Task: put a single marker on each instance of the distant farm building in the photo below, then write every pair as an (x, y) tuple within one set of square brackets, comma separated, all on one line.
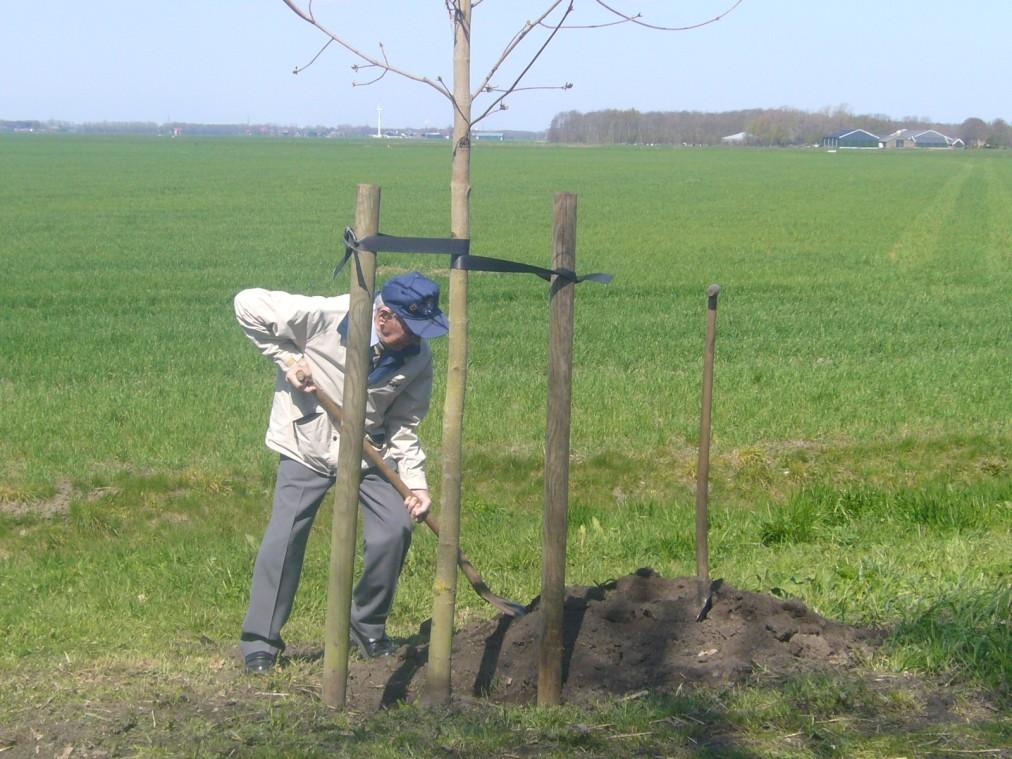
[(916, 138), (740, 138), (495, 136), (851, 138)]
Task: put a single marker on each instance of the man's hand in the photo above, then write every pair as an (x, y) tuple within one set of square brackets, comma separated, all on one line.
[(300, 376), (418, 504)]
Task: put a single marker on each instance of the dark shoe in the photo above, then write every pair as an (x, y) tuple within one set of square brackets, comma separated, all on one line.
[(372, 648), (259, 662)]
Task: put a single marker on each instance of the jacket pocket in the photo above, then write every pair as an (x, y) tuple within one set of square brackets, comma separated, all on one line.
[(315, 439)]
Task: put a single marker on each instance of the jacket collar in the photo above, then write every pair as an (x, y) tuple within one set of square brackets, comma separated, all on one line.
[(389, 362)]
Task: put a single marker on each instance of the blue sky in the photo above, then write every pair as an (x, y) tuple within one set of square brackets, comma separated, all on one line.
[(228, 61)]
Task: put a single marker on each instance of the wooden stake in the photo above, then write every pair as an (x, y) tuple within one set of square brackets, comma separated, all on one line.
[(444, 595), (349, 458), (560, 372), (703, 467)]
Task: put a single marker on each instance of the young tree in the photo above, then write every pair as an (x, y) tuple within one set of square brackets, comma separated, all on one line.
[(462, 97)]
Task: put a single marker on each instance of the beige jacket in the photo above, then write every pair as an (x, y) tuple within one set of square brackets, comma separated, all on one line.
[(288, 327)]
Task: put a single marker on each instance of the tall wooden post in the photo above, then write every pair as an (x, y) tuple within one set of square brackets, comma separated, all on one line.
[(445, 585), (556, 524), (349, 458)]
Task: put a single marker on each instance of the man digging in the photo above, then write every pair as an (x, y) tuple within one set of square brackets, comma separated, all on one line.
[(306, 337)]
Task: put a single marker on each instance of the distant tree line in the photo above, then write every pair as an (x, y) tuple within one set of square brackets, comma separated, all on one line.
[(185, 128), (188, 129), (764, 126)]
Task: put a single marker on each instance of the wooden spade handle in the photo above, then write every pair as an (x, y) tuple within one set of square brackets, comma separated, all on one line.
[(375, 458)]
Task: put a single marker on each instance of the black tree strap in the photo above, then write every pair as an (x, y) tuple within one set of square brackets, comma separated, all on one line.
[(459, 250), (483, 263), (394, 244)]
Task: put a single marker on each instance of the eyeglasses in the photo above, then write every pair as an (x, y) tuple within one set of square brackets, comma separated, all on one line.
[(387, 311)]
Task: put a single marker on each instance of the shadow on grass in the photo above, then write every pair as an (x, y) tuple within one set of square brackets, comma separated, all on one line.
[(490, 658), (395, 691)]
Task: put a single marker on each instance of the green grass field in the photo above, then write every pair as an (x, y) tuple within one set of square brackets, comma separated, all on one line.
[(861, 428)]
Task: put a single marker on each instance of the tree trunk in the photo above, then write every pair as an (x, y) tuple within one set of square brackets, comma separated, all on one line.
[(445, 587)]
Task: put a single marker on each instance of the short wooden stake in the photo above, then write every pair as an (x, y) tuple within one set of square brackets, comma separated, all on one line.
[(560, 372), (349, 458), (703, 466)]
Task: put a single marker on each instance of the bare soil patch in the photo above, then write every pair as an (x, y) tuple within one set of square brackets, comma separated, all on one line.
[(635, 633), (57, 505), (44, 508)]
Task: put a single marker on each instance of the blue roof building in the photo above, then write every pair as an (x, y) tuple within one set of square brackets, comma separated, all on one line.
[(917, 138), (851, 138)]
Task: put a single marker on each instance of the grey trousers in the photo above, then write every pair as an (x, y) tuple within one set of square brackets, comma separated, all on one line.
[(386, 527)]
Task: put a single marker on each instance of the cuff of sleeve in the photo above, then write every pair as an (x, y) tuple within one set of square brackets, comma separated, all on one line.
[(286, 361)]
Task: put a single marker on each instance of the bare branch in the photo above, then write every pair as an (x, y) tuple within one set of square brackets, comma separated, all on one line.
[(356, 68), (635, 19), (298, 11), (299, 69), (308, 17), (604, 25), (512, 87), (517, 39), (566, 86), (452, 8)]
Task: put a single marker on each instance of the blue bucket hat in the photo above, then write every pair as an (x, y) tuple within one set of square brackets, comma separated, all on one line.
[(415, 299)]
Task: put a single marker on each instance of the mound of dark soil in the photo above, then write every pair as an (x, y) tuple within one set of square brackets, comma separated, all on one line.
[(636, 633)]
